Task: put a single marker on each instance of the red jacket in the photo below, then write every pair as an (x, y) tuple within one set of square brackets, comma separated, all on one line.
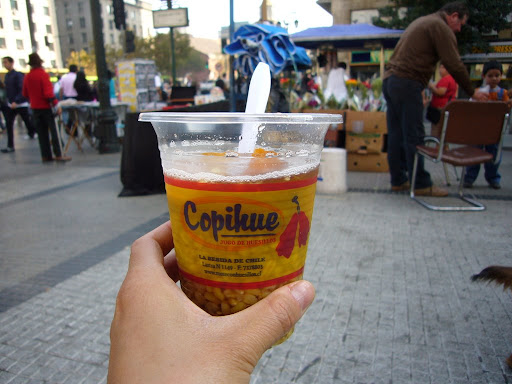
[(38, 88)]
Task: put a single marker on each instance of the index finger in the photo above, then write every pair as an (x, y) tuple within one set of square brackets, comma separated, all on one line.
[(150, 249)]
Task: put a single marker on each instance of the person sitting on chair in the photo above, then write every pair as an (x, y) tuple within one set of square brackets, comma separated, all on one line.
[(491, 74)]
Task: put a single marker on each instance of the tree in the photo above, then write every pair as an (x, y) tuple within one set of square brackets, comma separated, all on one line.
[(84, 60), (484, 17), (162, 47), (158, 48)]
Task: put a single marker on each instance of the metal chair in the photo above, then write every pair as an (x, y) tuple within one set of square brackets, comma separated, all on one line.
[(464, 124), (433, 139)]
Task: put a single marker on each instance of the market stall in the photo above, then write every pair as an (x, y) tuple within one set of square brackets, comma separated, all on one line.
[(350, 37), (363, 132)]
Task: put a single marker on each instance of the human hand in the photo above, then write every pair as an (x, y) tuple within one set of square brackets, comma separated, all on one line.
[(480, 96), (159, 336), (59, 111)]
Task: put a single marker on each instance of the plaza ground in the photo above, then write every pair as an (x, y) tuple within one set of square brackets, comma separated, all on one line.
[(394, 302)]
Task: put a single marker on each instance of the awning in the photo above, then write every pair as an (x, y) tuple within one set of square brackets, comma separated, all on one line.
[(350, 36), (267, 43)]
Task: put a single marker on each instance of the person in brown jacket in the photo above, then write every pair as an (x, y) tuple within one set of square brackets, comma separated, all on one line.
[(426, 41)]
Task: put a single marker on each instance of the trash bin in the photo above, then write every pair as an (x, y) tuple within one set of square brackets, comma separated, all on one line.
[(332, 175)]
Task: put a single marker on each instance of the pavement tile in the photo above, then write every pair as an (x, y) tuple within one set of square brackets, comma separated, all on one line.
[(394, 300), (6, 377), (20, 380)]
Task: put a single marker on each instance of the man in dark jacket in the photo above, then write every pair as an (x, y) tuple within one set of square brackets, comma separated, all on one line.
[(426, 40), (16, 103)]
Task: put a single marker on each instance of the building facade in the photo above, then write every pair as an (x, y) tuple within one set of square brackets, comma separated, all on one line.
[(75, 24), (353, 11), (28, 26)]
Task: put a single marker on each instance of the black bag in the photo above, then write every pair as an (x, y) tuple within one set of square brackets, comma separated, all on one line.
[(433, 114)]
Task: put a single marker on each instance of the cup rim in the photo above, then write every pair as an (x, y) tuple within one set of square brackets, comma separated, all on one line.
[(240, 117)]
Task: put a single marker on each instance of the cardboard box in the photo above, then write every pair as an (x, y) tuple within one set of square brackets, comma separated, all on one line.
[(364, 142), (373, 122), (367, 163)]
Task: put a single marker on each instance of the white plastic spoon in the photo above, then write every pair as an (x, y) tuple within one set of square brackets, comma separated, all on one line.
[(259, 90)]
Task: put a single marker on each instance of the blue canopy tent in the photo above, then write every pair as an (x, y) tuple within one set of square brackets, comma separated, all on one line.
[(349, 36), (270, 44)]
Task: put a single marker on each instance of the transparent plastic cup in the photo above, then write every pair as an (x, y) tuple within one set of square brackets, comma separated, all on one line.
[(241, 221)]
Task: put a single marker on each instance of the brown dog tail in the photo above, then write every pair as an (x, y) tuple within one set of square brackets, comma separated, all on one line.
[(497, 274)]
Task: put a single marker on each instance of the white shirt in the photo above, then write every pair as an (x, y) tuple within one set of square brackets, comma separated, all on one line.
[(67, 85), (336, 85)]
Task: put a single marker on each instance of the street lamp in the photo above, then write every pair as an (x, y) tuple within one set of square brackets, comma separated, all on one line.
[(109, 143)]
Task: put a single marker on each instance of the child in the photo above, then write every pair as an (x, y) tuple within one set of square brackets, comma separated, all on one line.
[(444, 91), (491, 74)]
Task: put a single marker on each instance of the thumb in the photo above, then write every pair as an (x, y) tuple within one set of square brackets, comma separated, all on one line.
[(271, 318)]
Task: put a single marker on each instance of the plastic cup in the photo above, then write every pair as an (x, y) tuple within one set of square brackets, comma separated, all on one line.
[(241, 221)]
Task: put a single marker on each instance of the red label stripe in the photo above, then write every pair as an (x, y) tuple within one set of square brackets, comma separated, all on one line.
[(240, 187), (242, 286)]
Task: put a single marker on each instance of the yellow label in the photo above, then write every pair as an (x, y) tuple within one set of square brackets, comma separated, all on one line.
[(241, 235)]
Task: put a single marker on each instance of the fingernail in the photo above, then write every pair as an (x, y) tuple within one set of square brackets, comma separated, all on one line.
[(304, 292)]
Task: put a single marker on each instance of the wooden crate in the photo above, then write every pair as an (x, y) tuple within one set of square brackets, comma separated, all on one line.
[(367, 163)]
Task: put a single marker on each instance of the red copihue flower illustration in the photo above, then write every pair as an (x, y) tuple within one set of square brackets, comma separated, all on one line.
[(287, 239)]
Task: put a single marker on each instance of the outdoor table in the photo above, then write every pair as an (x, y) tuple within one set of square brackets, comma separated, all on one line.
[(85, 119)]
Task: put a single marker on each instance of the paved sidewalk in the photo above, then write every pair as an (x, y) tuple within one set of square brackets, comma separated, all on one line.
[(394, 303)]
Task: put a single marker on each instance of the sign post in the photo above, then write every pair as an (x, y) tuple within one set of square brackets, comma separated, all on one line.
[(171, 18)]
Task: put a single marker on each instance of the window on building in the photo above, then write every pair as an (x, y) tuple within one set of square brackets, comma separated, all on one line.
[(53, 63), (82, 22), (69, 24), (23, 63), (46, 11), (51, 47), (84, 37), (66, 8), (16, 24), (111, 24), (112, 40), (1, 23), (132, 15), (19, 43), (110, 10), (80, 7), (14, 5), (2, 42), (48, 28), (71, 40)]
